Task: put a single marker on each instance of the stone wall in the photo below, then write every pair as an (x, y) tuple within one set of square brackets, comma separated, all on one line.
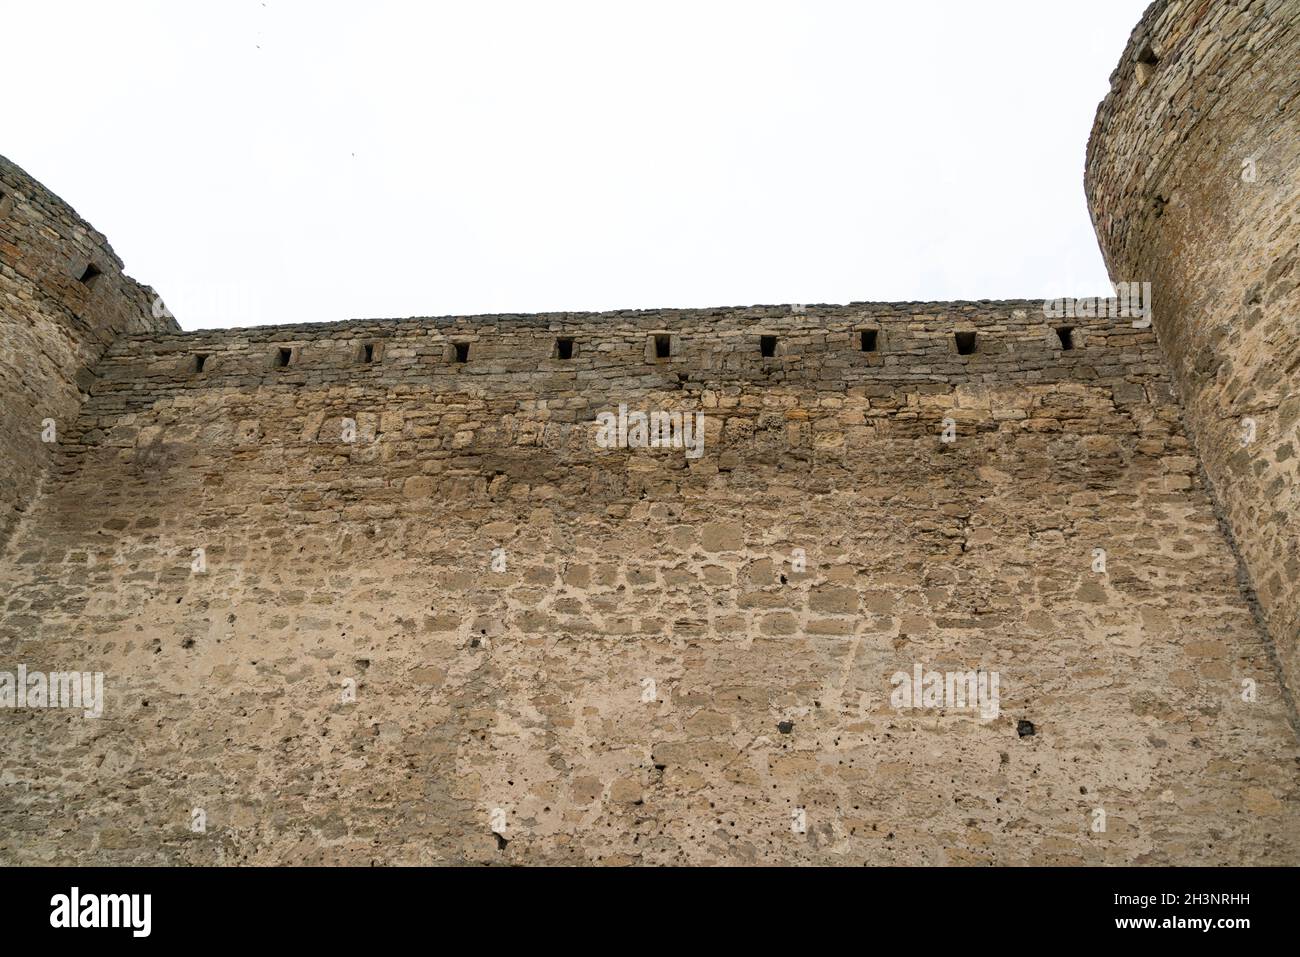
[(63, 299), (818, 347), (377, 592), (1193, 178), (647, 670)]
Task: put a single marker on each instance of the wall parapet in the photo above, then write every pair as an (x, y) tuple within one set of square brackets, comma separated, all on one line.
[(823, 347)]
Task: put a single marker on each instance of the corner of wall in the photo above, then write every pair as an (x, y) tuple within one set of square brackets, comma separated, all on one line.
[(64, 300)]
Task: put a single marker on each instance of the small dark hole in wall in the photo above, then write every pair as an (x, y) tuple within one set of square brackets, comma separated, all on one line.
[(462, 351), (965, 343), (868, 341), (283, 357), (200, 360), (1145, 67), (368, 352), (564, 348), (89, 277), (1066, 335), (663, 346), (767, 346)]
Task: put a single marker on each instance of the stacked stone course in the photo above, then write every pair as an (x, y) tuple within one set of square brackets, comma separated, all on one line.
[(434, 621)]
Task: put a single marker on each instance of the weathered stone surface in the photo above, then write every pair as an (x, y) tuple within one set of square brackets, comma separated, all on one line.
[(63, 300), (1193, 178), (436, 621)]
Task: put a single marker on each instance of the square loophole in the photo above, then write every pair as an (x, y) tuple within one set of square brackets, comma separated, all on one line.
[(869, 340), (563, 348), (966, 342), (283, 356), (663, 345), (198, 362), (1066, 337), (460, 352), (90, 276), (767, 346)]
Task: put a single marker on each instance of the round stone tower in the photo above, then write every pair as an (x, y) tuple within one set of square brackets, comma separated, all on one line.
[(1193, 182)]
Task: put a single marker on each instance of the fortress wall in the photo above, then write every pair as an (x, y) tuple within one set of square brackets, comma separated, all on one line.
[(53, 326), (819, 347), (1194, 185), (359, 611), (523, 689)]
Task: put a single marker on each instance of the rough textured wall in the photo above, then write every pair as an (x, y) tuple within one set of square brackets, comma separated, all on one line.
[(373, 591), (1194, 182), (55, 321), (333, 564)]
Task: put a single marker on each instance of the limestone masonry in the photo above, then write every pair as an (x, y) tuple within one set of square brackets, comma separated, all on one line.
[(372, 591)]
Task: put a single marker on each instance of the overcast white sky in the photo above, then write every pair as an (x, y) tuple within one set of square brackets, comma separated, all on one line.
[(276, 161)]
